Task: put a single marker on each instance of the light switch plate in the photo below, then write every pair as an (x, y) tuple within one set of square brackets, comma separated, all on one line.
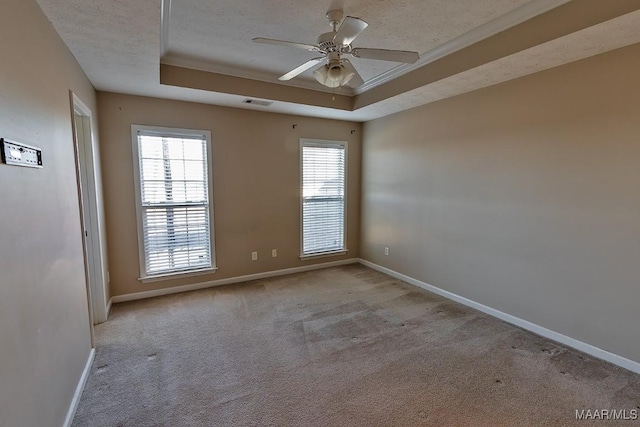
[(18, 154)]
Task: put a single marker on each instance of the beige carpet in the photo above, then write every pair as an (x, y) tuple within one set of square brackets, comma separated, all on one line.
[(344, 346)]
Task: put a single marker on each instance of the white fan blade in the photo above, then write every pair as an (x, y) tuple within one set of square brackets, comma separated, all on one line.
[(286, 43), (386, 55), (301, 69), (349, 29), (356, 80)]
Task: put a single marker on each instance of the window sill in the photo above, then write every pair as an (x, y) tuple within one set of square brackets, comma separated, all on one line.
[(323, 254), (177, 275)]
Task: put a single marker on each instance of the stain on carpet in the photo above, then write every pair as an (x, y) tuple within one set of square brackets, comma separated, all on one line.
[(340, 346)]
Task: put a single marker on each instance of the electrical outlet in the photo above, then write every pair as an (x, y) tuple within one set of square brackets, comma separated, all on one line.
[(274, 253), (386, 250), (254, 256)]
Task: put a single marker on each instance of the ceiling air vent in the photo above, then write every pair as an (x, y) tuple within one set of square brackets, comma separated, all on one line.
[(257, 102)]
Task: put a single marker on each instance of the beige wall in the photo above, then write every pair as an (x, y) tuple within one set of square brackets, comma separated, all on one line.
[(256, 171), (522, 196), (44, 324)]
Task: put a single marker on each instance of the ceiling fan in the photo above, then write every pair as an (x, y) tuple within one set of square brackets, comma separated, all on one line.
[(334, 45)]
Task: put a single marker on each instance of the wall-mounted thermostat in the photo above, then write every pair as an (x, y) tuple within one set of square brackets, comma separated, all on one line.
[(15, 153)]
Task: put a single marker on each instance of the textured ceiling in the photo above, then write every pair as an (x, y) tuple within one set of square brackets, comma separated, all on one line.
[(218, 33), (579, 45), (117, 43)]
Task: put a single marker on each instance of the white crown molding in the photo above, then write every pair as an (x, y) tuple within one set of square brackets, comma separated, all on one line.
[(491, 28), (170, 58), (165, 15), (197, 64), (484, 31)]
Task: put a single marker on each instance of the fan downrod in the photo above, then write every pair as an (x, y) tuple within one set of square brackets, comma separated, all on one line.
[(335, 17)]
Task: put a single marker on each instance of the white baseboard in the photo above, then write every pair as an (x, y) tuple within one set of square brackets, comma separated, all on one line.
[(536, 329), (221, 282), (79, 388)]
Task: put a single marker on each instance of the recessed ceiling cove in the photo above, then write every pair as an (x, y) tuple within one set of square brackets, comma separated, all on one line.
[(202, 50), (217, 35)]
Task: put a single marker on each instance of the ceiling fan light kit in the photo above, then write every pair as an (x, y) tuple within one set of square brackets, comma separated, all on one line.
[(333, 74), (332, 77), (338, 71)]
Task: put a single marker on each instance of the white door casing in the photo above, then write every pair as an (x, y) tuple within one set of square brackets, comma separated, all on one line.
[(89, 194)]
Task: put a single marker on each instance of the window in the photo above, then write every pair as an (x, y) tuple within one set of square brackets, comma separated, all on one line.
[(323, 197), (173, 200)]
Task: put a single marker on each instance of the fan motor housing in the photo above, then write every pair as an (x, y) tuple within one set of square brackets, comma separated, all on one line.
[(333, 60), (325, 42)]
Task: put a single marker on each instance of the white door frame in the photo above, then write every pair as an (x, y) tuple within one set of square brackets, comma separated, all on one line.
[(92, 232)]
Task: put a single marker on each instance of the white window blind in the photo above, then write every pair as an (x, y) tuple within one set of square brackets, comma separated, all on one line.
[(174, 202), (323, 198)]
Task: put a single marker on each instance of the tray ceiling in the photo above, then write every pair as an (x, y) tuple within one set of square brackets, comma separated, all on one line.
[(121, 46), (218, 34)]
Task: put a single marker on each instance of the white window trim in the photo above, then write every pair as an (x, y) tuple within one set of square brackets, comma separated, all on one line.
[(176, 275), (176, 132), (309, 142), (324, 254)]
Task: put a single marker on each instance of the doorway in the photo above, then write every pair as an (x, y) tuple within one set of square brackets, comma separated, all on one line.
[(92, 228)]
